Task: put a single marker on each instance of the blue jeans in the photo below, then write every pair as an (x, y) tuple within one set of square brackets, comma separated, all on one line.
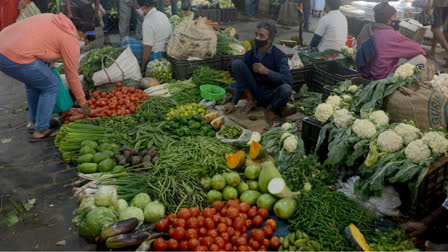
[(105, 17), (41, 87), (251, 5), (161, 7), (277, 96), (306, 13)]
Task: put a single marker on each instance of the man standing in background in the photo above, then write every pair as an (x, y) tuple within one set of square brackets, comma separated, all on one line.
[(124, 25), (161, 6), (440, 16)]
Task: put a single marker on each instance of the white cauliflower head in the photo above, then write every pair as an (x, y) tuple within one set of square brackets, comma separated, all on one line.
[(417, 150), (380, 118), (323, 112), (390, 141), (407, 132), (364, 128), (286, 126), (255, 137), (404, 71), (342, 118), (285, 135), (334, 100), (352, 88), (290, 144), (437, 141)]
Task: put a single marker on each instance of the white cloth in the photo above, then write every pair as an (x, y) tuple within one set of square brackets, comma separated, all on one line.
[(156, 30), (333, 29)]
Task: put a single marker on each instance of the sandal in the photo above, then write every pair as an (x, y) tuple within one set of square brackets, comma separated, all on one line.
[(45, 137)]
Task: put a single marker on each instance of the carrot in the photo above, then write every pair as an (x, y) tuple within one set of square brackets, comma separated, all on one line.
[(75, 117)]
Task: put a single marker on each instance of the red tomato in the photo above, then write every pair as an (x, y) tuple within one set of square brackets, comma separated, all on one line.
[(207, 241), (251, 213), (179, 222), (213, 247), (231, 230), (228, 247), (118, 85), (213, 233), (201, 248), (195, 211), (242, 215), (262, 248), (222, 220), (202, 231), (103, 94), (201, 220), (213, 211), (268, 231), (221, 227), (218, 205), (248, 224), (234, 203), (171, 232), (183, 245), (266, 243), (271, 223), (207, 212), (244, 207), (223, 211), (254, 244), (220, 242), (162, 225), (216, 218), (179, 233), (159, 245), (243, 229), (184, 213), (232, 212), (275, 242), (241, 241), (244, 248), (192, 222), (193, 243), (263, 213), (225, 236), (234, 239), (229, 222), (257, 221), (191, 233), (257, 234), (173, 244), (238, 223), (209, 223)]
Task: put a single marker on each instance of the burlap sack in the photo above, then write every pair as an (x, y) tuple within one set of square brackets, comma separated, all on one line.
[(192, 38), (289, 14), (421, 104)]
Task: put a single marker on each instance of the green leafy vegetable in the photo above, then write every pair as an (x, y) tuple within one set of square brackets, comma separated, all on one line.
[(308, 101), (205, 75)]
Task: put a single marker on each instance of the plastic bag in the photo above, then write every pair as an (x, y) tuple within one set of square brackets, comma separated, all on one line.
[(64, 100), (160, 69), (243, 139), (148, 82), (295, 62)]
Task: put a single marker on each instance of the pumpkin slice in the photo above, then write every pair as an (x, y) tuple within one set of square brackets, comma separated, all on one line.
[(256, 151), (357, 239), (236, 160)]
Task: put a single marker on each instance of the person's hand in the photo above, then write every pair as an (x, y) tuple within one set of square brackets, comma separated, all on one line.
[(260, 69), (229, 108), (414, 228), (86, 109)]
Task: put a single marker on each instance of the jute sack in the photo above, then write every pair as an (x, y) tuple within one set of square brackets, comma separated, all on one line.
[(289, 14), (192, 38), (124, 67), (421, 104)]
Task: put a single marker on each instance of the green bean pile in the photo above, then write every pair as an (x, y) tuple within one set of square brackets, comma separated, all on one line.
[(324, 214)]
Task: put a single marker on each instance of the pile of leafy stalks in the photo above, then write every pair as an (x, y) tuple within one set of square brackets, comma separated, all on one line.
[(205, 75), (308, 101)]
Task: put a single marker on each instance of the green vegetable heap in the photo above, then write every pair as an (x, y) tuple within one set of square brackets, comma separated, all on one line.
[(187, 110), (190, 125), (231, 132), (205, 75), (160, 69)]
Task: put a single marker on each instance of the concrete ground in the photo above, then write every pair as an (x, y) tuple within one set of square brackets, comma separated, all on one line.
[(37, 171)]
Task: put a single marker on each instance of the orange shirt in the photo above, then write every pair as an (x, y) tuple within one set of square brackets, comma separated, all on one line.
[(47, 37)]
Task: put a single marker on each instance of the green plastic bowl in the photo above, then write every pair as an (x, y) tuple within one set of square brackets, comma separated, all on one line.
[(212, 92)]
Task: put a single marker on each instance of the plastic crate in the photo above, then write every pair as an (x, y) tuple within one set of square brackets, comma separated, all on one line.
[(299, 76), (310, 134), (183, 69), (310, 58), (229, 15), (431, 193), (212, 14), (331, 72)]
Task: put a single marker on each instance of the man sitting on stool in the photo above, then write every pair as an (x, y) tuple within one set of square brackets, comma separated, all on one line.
[(265, 76)]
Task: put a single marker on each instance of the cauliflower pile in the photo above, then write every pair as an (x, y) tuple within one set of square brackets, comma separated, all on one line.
[(404, 71), (323, 112), (342, 118), (380, 118), (334, 100), (287, 126), (285, 135), (290, 144), (437, 141), (407, 132), (364, 128), (352, 88), (390, 141), (440, 83), (417, 151)]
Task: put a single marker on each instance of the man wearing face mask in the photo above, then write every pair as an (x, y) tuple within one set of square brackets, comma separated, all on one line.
[(156, 31), (264, 76), (52, 37), (332, 30), (385, 48)]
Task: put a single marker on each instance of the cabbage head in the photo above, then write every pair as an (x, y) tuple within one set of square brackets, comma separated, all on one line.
[(154, 212), (106, 196), (92, 222)]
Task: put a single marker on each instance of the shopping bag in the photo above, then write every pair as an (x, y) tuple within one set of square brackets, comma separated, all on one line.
[(64, 100), (29, 11), (289, 14)]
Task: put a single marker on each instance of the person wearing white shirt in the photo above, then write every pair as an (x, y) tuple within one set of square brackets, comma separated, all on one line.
[(332, 29), (156, 31)]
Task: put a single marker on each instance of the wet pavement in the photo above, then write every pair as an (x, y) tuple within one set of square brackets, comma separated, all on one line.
[(33, 170)]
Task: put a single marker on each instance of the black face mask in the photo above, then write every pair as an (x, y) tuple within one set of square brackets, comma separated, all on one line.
[(260, 43), (395, 24)]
